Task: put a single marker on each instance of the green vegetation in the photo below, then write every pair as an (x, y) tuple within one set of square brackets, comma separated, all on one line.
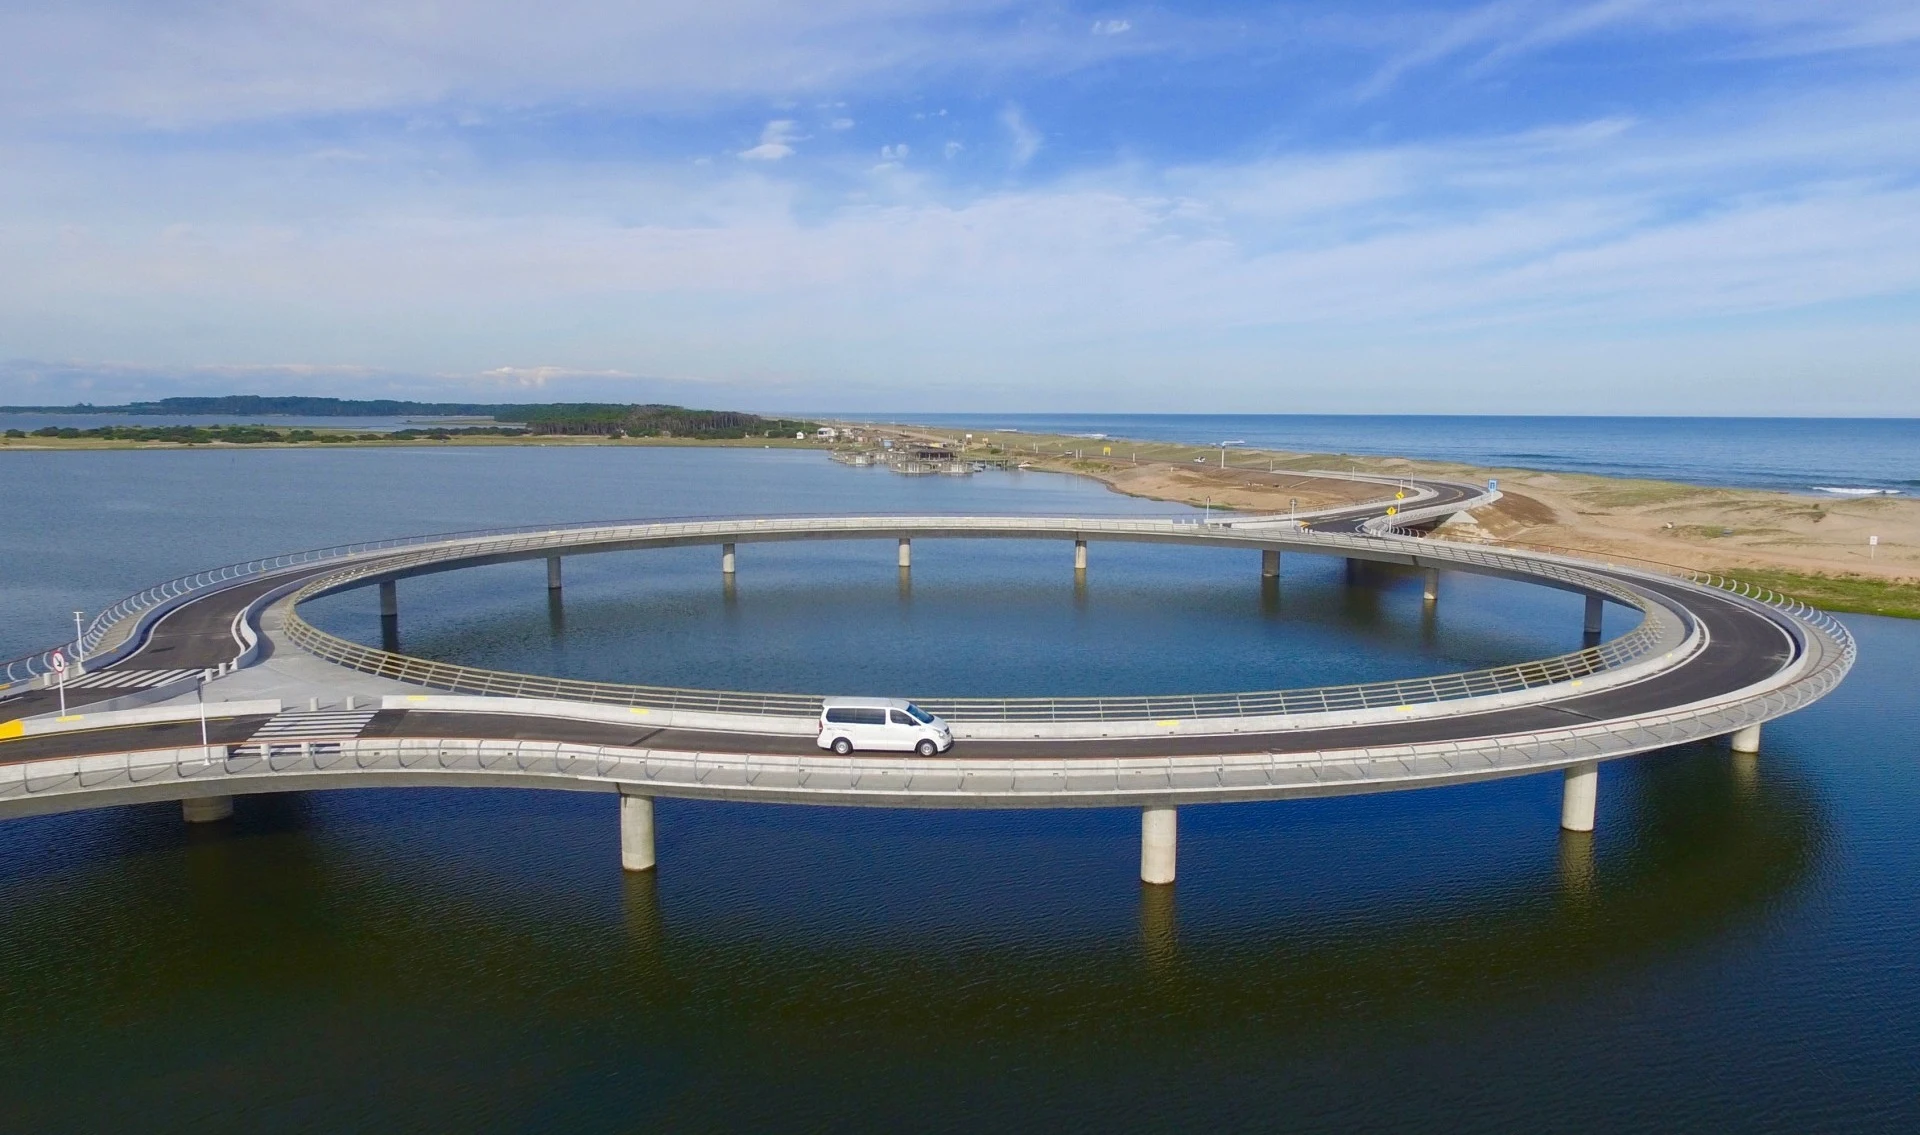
[(251, 435), (593, 418), (255, 405), (1860, 594), (604, 419)]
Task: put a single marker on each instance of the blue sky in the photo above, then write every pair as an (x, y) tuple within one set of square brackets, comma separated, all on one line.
[(1540, 206)]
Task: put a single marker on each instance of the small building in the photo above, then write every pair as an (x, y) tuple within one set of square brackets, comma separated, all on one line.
[(826, 433)]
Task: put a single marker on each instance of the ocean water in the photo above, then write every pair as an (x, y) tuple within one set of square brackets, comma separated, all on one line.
[(1734, 950), (1789, 454)]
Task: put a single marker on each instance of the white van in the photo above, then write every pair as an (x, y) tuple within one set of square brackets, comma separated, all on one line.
[(847, 724)]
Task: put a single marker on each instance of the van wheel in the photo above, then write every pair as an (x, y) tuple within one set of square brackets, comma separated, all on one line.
[(842, 746), (926, 748)]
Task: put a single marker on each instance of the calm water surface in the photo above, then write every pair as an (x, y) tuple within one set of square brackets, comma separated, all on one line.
[(1736, 950)]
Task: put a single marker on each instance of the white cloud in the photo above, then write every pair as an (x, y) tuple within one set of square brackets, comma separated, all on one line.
[(537, 377), (776, 142), (842, 124), (1111, 27), (1024, 139), (951, 149)]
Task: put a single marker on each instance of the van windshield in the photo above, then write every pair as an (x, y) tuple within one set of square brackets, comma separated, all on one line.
[(920, 715)]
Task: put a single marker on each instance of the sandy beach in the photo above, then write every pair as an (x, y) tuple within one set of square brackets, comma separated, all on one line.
[(1844, 553)]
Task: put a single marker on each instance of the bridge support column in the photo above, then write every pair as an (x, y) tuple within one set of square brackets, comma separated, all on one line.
[(1431, 591), (906, 552), (1353, 571), (1079, 555), (636, 833), (1159, 828), (1596, 613), (553, 573), (1578, 796), (1270, 563), (1745, 740), (206, 809), (389, 617), (726, 559)]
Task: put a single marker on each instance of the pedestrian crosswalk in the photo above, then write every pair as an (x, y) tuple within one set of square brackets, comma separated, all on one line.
[(308, 725), (128, 679)]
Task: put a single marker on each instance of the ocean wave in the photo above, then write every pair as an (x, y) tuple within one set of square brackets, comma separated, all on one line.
[(1847, 492)]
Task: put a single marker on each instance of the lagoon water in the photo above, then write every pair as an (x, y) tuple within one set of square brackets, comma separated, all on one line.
[(1731, 952)]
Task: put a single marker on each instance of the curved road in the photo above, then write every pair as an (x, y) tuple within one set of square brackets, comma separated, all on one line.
[(1751, 653)]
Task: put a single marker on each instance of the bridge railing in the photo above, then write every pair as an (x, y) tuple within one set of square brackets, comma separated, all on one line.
[(1806, 613), (870, 778), (1651, 635), (113, 626)]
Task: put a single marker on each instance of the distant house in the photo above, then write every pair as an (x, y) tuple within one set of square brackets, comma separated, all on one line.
[(826, 433), (930, 453)]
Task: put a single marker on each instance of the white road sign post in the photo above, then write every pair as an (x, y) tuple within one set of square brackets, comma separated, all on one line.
[(59, 662)]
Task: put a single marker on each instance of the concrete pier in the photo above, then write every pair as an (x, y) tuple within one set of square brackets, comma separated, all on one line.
[(1745, 740), (553, 573), (1159, 828), (1596, 613), (1270, 563), (1579, 795), (1430, 591), (206, 809), (389, 617), (1079, 555), (726, 559), (906, 552), (636, 833)]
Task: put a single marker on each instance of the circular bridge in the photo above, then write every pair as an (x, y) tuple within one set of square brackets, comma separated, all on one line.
[(288, 706)]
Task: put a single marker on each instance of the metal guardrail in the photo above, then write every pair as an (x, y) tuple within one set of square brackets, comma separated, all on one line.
[(1615, 654), (907, 781), (120, 621)]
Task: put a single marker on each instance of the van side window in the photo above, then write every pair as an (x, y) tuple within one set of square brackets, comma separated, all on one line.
[(855, 715), (900, 718)]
